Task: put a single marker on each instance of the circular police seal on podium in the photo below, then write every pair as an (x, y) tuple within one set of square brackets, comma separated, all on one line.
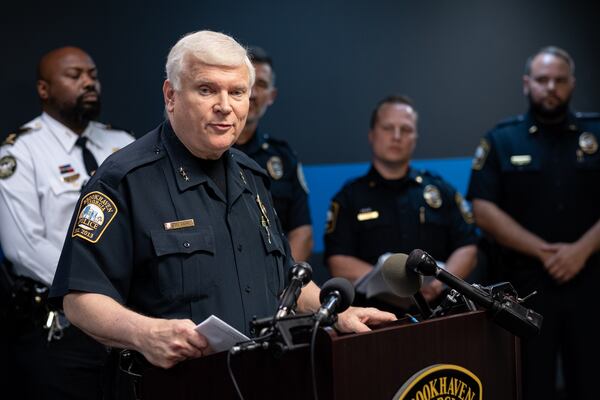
[(441, 381)]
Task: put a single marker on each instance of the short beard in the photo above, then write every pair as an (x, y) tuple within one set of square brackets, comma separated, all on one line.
[(556, 114), (82, 112)]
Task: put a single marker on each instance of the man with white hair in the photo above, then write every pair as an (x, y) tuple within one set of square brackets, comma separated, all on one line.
[(180, 226)]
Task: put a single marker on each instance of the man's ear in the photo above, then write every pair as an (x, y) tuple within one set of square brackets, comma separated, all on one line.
[(43, 89), (273, 96), (169, 96), (526, 82)]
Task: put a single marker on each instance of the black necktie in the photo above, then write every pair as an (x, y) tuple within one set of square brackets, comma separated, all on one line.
[(88, 158)]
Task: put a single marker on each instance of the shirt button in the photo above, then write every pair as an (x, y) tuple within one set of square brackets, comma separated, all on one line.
[(248, 289), (239, 247), (186, 244)]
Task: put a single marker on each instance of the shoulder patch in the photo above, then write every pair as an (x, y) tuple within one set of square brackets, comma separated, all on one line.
[(13, 136), (117, 128), (332, 215), (301, 178), (481, 154), (8, 165), (464, 208), (511, 121), (587, 115), (96, 212)]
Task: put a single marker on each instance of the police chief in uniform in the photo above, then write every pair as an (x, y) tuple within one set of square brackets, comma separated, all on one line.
[(288, 186), (395, 208), (43, 167), (535, 190), (178, 226)]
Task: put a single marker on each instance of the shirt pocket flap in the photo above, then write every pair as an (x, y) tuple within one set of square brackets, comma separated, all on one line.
[(183, 241)]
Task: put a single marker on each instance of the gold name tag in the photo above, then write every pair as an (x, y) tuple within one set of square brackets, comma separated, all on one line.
[(185, 223), (365, 216), (70, 178), (520, 160)]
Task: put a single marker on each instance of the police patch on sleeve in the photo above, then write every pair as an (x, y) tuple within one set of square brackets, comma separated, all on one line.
[(8, 165), (96, 212), (301, 178), (464, 208), (332, 215), (481, 154)]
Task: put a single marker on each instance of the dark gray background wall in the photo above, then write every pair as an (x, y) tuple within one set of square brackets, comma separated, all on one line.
[(461, 61)]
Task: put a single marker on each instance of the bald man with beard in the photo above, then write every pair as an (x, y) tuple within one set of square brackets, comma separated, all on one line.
[(43, 167)]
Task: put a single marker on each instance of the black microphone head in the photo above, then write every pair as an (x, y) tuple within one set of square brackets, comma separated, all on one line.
[(421, 263), (343, 287), (301, 270), (403, 282)]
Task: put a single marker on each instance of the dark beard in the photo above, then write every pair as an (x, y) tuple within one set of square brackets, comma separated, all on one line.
[(83, 112), (557, 114)]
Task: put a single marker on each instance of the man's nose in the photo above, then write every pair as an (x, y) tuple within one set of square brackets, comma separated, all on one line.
[(90, 82), (222, 105)]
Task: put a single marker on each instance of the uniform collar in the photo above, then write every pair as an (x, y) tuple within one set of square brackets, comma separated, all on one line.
[(375, 178), (255, 144), (65, 136), (534, 126), (189, 173)]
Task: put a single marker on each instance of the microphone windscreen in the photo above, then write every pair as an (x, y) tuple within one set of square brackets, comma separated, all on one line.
[(402, 281), (421, 262), (302, 270), (343, 287)]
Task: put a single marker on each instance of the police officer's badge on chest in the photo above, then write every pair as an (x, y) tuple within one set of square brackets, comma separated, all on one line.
[(8, 165), (275, 167), (432, 196), (588, 143), (96, 212)]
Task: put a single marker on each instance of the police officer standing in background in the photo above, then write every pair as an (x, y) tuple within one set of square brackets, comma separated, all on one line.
[(43, 167), (395, 208), (535, 186), (288, 187)]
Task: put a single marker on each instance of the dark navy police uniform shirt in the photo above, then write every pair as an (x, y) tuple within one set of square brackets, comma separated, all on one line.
[(371, 216), (153, 232), (288, 186), (545, 177)]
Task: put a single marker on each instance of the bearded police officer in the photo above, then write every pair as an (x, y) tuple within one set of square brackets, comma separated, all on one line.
[(535, 191), (43, 166)]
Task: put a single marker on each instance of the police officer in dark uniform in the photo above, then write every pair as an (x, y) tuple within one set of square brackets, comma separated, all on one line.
[(288, 186), (395, 208), (178, 226), (535, 190)]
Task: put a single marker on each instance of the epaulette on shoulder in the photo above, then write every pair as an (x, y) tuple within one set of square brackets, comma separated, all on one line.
[(511, 121), (13, 136), (113, 127), (277, 142), (242, 158), (587, 115)]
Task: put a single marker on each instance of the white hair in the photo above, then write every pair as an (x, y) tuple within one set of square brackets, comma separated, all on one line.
[(208, 47)]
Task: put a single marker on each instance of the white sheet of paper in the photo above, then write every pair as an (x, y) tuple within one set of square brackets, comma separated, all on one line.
[(220, 335)]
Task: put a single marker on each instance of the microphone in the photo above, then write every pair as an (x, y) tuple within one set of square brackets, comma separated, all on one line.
[(404, 282), (506, 310), (336, 296), (299, 275), (423, 264)]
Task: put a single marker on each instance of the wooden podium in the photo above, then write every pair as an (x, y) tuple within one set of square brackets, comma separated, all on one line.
[(371, 365)]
